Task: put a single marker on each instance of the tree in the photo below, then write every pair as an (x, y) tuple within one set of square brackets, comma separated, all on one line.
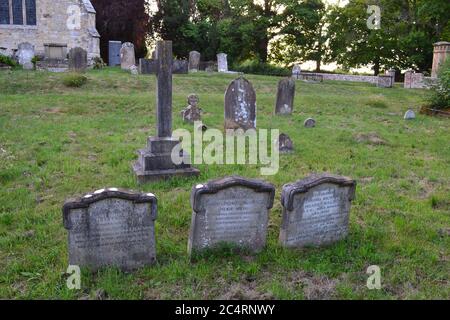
[(122, 20)]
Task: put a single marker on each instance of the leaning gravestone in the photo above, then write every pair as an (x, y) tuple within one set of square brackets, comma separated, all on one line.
[(77, 59), (194, 61), (25, 55), (410, 115), (240, 105), (222, 62), (111, 227), (232, 210), (316, 210), (285, 143), (285, 96), (127, 57), (310, 123)]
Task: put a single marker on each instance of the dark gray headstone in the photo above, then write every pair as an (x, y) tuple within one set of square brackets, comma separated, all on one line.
[(310, 123), (180, 66), (114, 53), (240, 105), (194, 61), (285, 96), (316, 210), (147, 66), (285, 143), (231, 210), (77, 59), (111, 228)]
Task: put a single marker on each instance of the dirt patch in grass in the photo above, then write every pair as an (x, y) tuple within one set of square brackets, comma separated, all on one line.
[(315, 287), (245, 291), (371, 138)]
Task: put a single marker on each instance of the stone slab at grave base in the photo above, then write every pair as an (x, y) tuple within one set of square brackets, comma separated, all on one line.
[(155, 162)]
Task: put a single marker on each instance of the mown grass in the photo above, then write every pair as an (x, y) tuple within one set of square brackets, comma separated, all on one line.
[(58, 142)]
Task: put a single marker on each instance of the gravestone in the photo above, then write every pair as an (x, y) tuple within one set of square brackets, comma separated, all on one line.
[(155, 162), (134, 70), (111, 228), (147, 66), (180, 67), (316, 210), (194, 61), (240, 105), (410, 115), (385, 81), (25, 55), (192, 112), (222, 62), (285, 143), (114, 53), (392, 73), (231, 210), (127, 57), (310, 123), (285, 96), (77, 59), (296, 71)]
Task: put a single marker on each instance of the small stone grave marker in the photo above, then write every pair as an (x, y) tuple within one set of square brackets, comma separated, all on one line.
[(192, 112), (111, 228), (310, 123), (410, 115), (285, 143), (316, 210)]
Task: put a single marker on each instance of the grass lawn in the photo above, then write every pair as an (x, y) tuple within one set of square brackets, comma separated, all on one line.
[(58, 142)]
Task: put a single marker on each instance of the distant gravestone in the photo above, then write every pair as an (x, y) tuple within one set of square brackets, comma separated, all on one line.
[(114, 53), (285, 143), (316, 210), (180, 67), (134, 70), (296, 71), (222, 62), (25, 55), (240, 105), (77, 59), (111, 228), (410, 115), (285, 96), (310, 123), (194, 61), (192, 112), (385, 81), (147, 66), (127, 57), (231, 210)]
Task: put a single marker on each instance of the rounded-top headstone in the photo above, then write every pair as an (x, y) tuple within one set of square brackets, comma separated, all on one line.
[(296, 70), (410, 115), (285, 96), (193, 100), (285, 143), (240, 105), (310, 123), (127, 56)]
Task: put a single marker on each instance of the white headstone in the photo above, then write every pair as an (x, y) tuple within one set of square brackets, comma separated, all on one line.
[(222, 62)]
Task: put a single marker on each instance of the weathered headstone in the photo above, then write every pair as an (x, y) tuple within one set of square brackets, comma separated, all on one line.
[(127, 56), (385, 81), (180, 66), (156, 162), (310, 123), (111, 228), (240, 105), (134, 70), (222, 62), (392, 73), (410, 115), (25, 55), (232, 210), (147, 66), (192, 112), (296, 71), (316, 210), (285, 96), (77, 59), (285, 143), (194, 61), (114, 53)]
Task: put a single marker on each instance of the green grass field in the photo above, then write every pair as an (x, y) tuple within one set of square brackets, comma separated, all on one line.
[(58, 142)]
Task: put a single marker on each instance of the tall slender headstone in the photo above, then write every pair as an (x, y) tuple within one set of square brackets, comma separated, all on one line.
[(285, 96), (77, 59), (194, 61), (114, 53), (240, 105), (222, 62), (156, 162)]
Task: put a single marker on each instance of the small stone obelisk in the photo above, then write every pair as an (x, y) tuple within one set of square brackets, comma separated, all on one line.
[(155, 161)]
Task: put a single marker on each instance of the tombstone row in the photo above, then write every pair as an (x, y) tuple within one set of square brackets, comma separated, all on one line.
[(113, 227)]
